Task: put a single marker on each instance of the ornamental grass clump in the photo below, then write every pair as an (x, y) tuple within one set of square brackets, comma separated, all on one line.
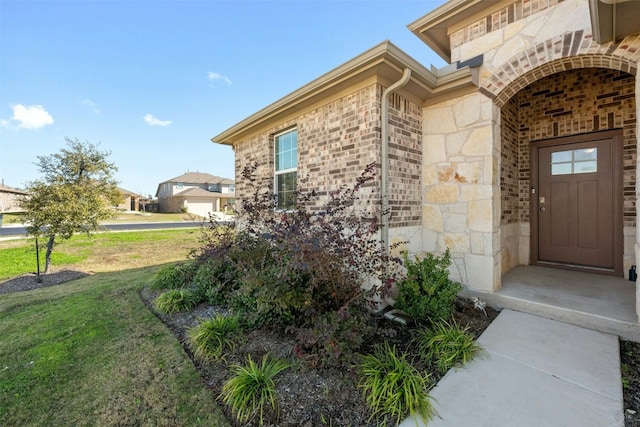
[(175, 300), (210, 338), (174, 276), (252, 387), (445, 345), (393, 387)]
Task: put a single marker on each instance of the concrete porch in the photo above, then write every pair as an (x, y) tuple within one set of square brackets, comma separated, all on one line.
[(594, 301)]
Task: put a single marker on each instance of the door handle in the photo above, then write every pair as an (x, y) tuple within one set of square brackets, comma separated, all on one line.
[(542, 208)]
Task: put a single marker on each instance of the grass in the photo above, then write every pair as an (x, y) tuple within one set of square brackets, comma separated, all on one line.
[(175, 300), (100, 253), (22, 259), (16, 218), (88, 352), (252, 387), (393, 387), (447, 345), (153, 217), (211, 337)]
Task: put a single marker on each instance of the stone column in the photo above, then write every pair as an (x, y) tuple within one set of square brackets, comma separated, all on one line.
[(461, 205)]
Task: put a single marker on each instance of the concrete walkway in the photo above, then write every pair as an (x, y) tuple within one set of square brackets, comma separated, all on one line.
[(537, 372)]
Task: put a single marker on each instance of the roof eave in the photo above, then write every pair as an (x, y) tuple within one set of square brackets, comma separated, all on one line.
[(433, 28), (385, 61)]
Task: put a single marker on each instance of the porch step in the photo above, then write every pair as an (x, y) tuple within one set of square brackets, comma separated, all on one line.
[(592, 301)]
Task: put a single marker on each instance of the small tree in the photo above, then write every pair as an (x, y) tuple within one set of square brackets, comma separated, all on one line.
[(76, 192)]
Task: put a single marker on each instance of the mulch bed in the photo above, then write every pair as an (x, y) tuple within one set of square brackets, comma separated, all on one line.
[(312, 396), (308, 395)]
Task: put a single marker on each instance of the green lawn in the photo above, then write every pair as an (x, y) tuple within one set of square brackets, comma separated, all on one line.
[(88, 352), (100, 252), (124, 217), (22, 259)]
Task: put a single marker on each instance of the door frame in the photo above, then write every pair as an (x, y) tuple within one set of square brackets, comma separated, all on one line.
[(617, 169)]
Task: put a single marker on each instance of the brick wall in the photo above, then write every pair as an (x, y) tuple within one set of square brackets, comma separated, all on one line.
[(405, 162), (563, 104), (336, 141), (509, 173)]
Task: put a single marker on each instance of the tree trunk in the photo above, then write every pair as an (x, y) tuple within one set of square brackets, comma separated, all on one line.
[(47, 257)]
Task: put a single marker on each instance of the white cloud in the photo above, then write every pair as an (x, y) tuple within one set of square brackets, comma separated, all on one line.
[(29, 117), (152, 121), (91, 105), (212, 76)]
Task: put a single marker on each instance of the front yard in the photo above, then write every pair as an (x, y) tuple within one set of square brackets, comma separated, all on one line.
[(89, 352)]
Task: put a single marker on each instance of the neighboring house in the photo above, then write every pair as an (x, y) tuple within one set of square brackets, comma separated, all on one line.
[(130, 200), (198, 193), (522, 151), (10, 198)]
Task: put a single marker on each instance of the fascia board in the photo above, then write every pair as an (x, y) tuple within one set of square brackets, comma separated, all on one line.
[(433, 28), (381, 59), (384, 62)]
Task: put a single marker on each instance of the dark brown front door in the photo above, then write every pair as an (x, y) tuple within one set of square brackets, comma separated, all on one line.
[(576, 202)]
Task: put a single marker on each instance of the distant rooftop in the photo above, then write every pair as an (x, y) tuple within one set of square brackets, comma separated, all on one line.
[(200, 178), (7, 189)]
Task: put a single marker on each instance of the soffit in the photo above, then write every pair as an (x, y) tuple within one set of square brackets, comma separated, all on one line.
[(434, 27), (383, 64), (610, 20)]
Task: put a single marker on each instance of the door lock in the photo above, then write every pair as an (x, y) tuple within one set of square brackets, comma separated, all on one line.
[(542, 209)]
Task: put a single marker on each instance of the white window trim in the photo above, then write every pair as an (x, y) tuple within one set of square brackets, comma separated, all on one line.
[(276, 172)]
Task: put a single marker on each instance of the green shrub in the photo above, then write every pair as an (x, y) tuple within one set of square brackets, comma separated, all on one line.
[(446, 344), (427, 293), (393, 387), (210, 283), (174, 276), (252, 387), (211, 337), (334, 338), (300, 267), (268, 299), (175, 300)]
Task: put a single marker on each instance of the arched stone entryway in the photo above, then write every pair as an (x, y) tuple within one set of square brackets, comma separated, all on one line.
[(567, 51), (567, 85), (582, 101)]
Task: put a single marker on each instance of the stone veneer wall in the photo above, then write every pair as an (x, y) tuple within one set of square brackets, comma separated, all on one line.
[(522, 52), (499, 19), (461, 156), (336, 141)]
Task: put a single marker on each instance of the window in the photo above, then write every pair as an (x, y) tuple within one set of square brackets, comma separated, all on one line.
[(180, 185), (214, 187), (569, 162), (286, 168)]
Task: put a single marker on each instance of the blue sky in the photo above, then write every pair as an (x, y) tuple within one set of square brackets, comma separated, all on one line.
[(152, 81)]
